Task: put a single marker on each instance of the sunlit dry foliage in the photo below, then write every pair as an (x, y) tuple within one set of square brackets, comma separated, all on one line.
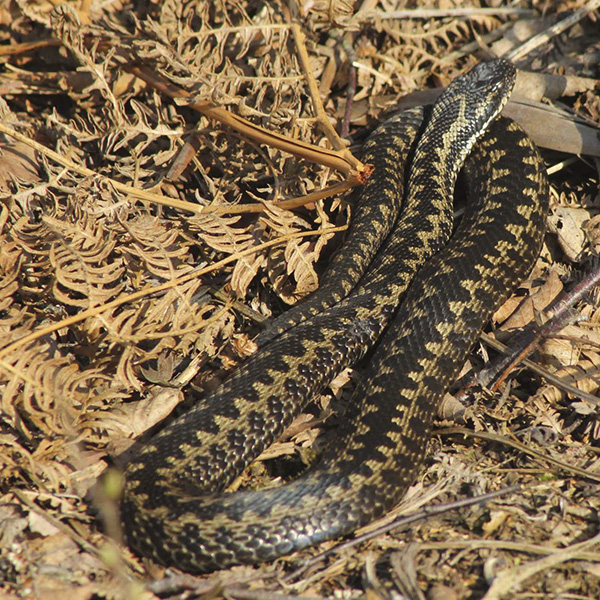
[(111, 303)]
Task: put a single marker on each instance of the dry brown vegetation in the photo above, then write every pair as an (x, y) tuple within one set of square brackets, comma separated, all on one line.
[(143, 243)]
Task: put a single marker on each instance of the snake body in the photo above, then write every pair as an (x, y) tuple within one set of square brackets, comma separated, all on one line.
[(169, 508)]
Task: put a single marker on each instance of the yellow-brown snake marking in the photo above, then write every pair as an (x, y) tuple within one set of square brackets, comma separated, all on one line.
[(173, 508)]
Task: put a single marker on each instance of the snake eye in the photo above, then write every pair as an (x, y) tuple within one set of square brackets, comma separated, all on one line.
[(481, 84)]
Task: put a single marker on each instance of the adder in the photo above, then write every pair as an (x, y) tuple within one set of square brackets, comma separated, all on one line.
[(174, 509)]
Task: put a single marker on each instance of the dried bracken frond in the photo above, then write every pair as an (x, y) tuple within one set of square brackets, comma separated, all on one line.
[(296, 260)]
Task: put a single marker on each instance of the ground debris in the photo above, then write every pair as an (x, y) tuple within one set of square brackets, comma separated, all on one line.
[(143, 242)]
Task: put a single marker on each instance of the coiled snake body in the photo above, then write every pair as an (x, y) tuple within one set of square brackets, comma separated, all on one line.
[(171, 510)]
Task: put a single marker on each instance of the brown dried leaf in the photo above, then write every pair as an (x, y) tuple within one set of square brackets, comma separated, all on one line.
[(558, 353), (585, 375), (517, 312), (567, 223), (134, 418)]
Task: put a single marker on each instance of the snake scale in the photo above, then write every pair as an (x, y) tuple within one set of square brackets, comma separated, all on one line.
[(174, 509)]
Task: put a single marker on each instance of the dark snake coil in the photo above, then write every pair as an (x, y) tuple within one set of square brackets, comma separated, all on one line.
[(172, 508)]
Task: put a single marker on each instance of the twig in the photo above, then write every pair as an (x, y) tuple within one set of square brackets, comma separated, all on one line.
[(190, 147), (493, 437), (503, 545), (542, 38), (523, 344), (313, 88), (400, 522), (568, 300), (352, 61), (216, 589), (146, 196), (340, 160), (14, 49), (85, 172), (84, 544), (532, 366), (267, 595), (421, 13), (351, 92), (238, 306), (510, 579)]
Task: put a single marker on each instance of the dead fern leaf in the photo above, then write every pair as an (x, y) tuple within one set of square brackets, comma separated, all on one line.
[(291, 268)]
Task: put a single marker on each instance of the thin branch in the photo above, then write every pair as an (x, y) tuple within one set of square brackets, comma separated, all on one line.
[(559, 315), (424, 513), (492, 437), (422, 13), (542, 38), (352, 60), (565, 386), (511, 579), (340, 160), (478, 544), (313, 89), (151, 197)]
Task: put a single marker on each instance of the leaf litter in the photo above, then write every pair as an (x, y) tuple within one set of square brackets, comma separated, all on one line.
[(144, 243)]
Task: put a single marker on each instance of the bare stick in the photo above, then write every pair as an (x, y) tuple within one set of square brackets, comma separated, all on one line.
[(541, 38), (340, 160), (523, 344), (399, 522)]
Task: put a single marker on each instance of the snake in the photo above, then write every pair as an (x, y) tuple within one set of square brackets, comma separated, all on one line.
[(404, 289)]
